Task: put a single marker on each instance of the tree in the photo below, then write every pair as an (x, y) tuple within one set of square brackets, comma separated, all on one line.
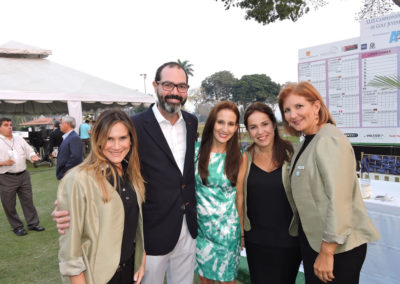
[(386, 82), (140, 108), (218, 86), (257, 87), (187, 66), (268, 11)]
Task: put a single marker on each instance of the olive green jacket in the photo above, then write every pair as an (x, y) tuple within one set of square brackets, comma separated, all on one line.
[(323, 192), (92, 244)]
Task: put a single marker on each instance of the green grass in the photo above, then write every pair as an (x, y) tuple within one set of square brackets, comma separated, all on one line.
[(32, 258)]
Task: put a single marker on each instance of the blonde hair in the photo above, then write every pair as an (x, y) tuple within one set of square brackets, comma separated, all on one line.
[(97, 162), (310, 93)]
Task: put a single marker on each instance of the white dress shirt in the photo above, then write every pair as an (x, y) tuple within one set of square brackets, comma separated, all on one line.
[(17, 149), (175, 136), (66, 134)]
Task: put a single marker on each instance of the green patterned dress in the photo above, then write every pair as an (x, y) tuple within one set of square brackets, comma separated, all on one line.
[(218, 240)]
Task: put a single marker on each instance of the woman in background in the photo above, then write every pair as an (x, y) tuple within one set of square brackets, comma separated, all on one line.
[(330, 216), (272, 254), (104, 194), (216, 171)]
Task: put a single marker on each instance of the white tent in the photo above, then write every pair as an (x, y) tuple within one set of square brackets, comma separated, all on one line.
[(30, 84)]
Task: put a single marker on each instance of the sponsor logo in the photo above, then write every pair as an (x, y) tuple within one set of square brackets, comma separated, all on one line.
[(374, 135), (372, 45), (351, 135), (364, 46), (394, 36), (350, 47)]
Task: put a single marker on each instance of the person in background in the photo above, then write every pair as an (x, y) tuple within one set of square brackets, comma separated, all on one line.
[(104, 195), (216, 171), (272, 254), (70, 152), (329, 214), (55, 140), (15, 179), (84, 134)]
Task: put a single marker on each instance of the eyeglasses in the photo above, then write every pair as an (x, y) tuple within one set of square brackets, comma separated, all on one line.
[(169, 86)]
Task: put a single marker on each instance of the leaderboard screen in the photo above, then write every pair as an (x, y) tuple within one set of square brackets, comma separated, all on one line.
[(342, 72)]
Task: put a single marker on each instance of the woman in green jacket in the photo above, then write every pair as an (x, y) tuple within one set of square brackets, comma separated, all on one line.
[(104, 194)]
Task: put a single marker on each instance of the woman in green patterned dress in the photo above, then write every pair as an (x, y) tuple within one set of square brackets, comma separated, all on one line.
[(216, 170)]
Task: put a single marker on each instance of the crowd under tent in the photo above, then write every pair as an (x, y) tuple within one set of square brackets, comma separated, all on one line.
[(32, 84)]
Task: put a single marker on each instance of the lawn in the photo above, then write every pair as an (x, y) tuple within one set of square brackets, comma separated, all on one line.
[(33, 258)]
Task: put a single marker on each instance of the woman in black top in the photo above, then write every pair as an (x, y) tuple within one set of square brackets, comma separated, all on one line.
[(272, 254)]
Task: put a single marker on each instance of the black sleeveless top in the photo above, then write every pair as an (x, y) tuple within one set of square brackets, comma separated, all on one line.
[(268, 209)]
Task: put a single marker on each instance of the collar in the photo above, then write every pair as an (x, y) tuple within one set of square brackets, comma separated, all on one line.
[(160, 118), (5, 138), (66, 134)]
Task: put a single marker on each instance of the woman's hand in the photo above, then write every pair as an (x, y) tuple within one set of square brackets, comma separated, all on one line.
[(138, 276), (323, 265)]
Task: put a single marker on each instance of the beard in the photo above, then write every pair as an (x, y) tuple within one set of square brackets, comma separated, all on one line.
[(171, 108)]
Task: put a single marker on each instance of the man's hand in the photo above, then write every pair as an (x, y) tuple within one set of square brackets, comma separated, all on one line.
[(35, 158), (9, 162), (61, 218)]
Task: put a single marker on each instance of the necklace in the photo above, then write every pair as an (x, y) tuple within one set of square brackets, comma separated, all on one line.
[(11, 146), (265, 162)]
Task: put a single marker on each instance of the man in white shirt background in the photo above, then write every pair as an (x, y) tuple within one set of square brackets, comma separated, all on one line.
[(15, 179)]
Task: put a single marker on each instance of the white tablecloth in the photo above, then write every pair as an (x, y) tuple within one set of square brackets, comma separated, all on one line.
[(382, 265)]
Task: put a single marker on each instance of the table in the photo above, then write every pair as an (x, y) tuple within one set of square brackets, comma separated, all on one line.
[(382, 264)]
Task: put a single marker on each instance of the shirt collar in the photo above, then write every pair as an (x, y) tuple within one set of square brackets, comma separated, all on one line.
[(5, 138), (160, 118), (66, 134)]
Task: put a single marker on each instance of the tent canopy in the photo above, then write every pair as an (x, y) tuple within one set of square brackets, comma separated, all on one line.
[(38, 121), (30, 84)]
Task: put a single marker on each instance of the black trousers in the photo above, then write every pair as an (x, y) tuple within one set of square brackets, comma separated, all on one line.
[(269, 264), (10, 187), (346, 265), (124, 273)]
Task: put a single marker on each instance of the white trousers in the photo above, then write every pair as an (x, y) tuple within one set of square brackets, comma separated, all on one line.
[(178, 264)]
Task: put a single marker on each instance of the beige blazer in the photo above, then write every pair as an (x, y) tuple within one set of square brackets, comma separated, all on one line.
[(323, 192), (93, 242)]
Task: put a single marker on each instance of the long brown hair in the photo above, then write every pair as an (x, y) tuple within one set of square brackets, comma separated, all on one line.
[(98, 162), (233, 156), (283, 149), (310, 93)]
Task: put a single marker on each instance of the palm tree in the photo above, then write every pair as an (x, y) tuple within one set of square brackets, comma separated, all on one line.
[(187, 66), (386, 82)]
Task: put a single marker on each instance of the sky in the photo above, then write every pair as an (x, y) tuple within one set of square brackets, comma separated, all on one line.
[(121, 39)]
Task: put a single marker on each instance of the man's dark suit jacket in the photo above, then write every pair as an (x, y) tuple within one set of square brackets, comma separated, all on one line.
[(69, 154), (169, 193)]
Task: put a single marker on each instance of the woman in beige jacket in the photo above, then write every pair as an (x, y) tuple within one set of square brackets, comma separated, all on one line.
[(322, 187), (104, 194)]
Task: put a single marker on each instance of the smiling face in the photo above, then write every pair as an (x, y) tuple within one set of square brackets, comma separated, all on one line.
[(225, 126), (118, 144), (170, 101), (301, 114), (261, 129)]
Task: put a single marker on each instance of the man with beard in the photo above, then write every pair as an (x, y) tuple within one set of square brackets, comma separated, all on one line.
[(166, 136)]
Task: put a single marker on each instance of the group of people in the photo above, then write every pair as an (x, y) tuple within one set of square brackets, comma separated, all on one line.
[(15, 180), (149, 202)]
